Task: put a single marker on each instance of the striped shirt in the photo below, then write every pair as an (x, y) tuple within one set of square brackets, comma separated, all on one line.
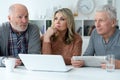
[(17, 43)]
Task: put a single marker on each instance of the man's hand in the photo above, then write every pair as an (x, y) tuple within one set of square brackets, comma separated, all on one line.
[(18, 62), (77, 63)]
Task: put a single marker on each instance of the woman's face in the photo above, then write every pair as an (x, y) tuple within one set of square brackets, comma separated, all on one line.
[(60, 22)]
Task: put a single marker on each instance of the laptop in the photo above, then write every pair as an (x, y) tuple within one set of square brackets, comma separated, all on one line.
[(40, 62), (91, 61)]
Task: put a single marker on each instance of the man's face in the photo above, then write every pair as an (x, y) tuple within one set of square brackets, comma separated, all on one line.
[(19, 19), (104, 24)]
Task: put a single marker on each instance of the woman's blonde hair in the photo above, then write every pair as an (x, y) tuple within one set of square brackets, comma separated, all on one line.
[(69, 36)]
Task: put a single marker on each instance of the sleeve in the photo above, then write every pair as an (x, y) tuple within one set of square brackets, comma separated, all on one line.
[(76, 51), (46, 47), (34, 40), (90, 49)]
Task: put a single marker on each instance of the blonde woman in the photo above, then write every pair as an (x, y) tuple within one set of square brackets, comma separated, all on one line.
[(61, 38)]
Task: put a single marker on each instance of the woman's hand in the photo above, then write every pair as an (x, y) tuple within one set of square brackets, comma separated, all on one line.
[(51, 31)]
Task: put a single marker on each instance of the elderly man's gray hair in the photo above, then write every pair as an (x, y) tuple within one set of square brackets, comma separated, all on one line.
[(109, 9)]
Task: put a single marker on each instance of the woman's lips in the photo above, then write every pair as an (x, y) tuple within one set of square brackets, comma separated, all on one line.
[(57, 25)]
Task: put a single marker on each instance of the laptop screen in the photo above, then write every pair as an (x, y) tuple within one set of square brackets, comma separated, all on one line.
[(43, 62)]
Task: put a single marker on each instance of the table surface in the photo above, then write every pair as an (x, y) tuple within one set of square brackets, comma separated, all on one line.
[(84, 73)]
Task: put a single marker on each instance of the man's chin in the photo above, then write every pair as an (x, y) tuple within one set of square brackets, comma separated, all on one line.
[(21, 29), (100, 33)]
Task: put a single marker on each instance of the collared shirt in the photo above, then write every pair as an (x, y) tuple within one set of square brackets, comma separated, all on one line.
[(17, 43), (98, 47)]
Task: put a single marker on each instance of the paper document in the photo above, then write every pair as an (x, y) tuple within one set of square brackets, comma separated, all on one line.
[(94, 61)]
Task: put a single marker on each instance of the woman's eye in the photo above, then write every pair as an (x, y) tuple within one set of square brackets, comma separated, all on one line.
[(62, 19), (55, 18)]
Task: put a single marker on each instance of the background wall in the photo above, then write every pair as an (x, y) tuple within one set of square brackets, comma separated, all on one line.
[(38, 8), (41, 9), (117, 5)]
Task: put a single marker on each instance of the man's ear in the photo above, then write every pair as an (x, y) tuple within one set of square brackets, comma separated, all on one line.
[(8, 17), (114, 23)]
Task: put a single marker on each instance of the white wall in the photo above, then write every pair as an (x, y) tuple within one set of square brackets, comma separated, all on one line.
[(43, 7), (117, 5), (35, 7)]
